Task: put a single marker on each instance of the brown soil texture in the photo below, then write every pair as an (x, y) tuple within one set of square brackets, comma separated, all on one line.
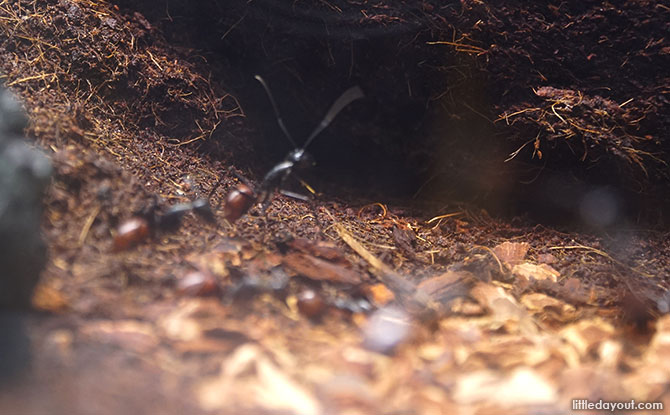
[(489, 232)]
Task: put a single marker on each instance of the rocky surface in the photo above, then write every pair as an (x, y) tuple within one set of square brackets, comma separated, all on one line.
[(24, 175)]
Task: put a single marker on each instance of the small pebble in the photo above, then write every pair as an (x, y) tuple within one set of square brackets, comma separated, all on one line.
[(387, 328)]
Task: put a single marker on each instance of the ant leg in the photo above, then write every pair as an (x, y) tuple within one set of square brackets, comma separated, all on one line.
[(203, 208), (241, 178), (298, 196), (265, 200), (215, 187), (295, 195), (268, 189), (171, 219), (202, 205), (311, 199)]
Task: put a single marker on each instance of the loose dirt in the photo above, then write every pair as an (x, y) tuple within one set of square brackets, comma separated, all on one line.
[(355, 302)]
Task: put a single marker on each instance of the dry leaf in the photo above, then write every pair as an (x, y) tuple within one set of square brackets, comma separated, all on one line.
[(651, 379), (538, 302), (277, 391), (594, 383), (192, 319), (509, 351), (434, 351), (496, 300), (466, 307), (215, 262), (348, 393)]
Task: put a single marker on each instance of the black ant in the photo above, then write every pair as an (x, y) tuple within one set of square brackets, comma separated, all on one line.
[(171, 219), (136, 229), (242, 198)]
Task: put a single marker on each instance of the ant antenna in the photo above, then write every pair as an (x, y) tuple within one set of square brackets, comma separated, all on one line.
[(345, 99), (280, 121)]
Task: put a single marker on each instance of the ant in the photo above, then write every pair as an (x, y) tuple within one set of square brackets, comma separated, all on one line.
[(242, 198), (136, 229)]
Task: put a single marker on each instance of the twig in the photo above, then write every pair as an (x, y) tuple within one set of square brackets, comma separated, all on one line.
[(603, 254), (87, 225), (389, 277)]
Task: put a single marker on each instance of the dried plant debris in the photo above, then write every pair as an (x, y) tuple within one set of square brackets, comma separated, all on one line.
[(124, 76), (354, 306), (591, 126)]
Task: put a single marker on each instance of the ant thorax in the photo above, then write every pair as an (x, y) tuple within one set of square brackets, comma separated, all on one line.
[(296, 155), (276, 176)]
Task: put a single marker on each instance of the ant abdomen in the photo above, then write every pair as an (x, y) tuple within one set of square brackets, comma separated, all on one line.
[(238, 202)]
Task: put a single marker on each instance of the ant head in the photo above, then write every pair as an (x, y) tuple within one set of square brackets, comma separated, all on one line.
[(301, 158)]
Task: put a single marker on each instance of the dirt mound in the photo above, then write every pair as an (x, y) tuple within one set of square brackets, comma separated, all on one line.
[(455, 89)]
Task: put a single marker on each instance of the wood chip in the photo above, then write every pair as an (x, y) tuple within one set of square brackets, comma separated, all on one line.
[(447, 286), (586, 335), (553, 308), (46, 298), (520, 388), (321, 249), (320, 270), (250, 379), (537, 272), (128, 334), (511, 253), (379, 294)]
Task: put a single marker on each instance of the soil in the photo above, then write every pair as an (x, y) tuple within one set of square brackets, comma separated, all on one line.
[(488, 230)]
